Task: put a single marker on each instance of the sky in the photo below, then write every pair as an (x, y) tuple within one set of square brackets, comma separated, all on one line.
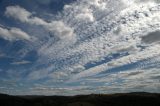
[(72, 47)]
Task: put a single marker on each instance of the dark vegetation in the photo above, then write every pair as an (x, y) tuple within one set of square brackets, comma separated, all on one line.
[(126, 99)]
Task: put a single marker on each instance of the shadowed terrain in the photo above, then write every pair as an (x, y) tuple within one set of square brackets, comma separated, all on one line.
[(125, 99)]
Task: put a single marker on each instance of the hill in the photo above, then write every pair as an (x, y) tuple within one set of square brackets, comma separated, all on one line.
[(125, 99)]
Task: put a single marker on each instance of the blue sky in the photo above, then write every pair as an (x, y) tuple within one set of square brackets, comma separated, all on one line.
[(70, 47)]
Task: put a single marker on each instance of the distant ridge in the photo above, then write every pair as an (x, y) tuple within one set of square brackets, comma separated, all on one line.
[(119, 99)]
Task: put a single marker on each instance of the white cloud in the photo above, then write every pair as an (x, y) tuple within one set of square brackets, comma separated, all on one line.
[(56, 27), (40, 73), (36, 75), (145, 79), (23, 15), (85, 15), (99, 39), (98, 3), (105, 42), (130, 81), (60, 29), (13, 34), (132, 58), (94, 23), (46, 90), (20, 62)]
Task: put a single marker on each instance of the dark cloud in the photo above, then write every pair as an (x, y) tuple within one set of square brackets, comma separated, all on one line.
[(151, 37), (157, 1), (134, 73)]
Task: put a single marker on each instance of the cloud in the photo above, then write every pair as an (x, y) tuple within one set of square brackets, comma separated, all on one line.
[(152, 37), (46, 90), (22, 15), (96, 40), (132, 58), (21, 62), (97, 48), (128, 81), (13, 34), (36, 75), (157, 1), (40, 73), (58, 28), (85, 15), (144, 80)]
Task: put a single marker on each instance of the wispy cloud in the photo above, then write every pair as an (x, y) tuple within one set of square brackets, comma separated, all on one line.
[(1, 70), (23, 62), (13, 34), (23, 15), (2, 54), (56, 27)]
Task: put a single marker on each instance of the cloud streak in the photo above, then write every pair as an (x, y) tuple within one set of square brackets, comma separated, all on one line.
[(13, 34), (21, 62), (56, 27)]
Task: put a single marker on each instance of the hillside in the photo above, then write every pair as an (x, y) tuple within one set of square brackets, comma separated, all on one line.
[(128, 99)]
